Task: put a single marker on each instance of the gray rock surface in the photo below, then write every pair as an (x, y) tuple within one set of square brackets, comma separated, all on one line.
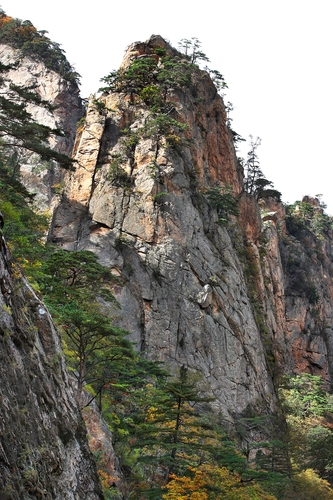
[(44, 451), (242, 303), (185, 297)]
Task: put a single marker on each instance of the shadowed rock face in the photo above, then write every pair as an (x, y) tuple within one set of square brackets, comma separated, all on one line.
[(43, 444)]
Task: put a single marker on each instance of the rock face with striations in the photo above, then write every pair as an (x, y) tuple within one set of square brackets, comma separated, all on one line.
[(44, 451), (242, 302), (307, 261)]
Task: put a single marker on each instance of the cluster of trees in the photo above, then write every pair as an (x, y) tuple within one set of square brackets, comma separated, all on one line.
[(151, 77), (23, 35), (222, 198), (172, 446), (148, 80), (308, 408), (255, 182), (303, 217), (19, 132)]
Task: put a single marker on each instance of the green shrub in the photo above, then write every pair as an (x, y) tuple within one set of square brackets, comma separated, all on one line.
[(223, 199), (117, 175)]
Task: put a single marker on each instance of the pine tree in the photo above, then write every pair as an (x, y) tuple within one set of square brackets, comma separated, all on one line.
[(72, 284), (172, 431), (252, 167), (255, 182), (92, 343), (22, 35), (191, 48), (75, 275)]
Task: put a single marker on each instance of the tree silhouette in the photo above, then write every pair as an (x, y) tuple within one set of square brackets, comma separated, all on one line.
[(255, 182)]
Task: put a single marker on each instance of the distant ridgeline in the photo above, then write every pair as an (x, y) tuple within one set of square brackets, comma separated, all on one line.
[(24, 36)]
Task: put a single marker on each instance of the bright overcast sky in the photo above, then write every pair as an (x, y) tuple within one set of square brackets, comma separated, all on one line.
[(275, 57)]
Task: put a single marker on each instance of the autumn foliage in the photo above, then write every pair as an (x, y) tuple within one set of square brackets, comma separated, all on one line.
[(24, 36), (210, 482)]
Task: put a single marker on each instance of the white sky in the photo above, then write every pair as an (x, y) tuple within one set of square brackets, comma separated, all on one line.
[(275, 57)]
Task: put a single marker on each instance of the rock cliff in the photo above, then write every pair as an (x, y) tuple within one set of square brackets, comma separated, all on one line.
[(306, 254), (184, 294), (45, 179), (223, 299), (242, 302), (43, 444)]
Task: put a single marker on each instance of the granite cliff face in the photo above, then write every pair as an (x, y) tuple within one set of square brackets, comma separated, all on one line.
[(184, 294), (45, 179), (222, 299), (44, 451), (307, 258)]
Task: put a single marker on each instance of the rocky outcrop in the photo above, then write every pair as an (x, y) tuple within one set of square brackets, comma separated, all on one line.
[(184, 294), (100, 442), (307, 259), (45, 179), (43, 444), (242, 302), (291, 270)]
